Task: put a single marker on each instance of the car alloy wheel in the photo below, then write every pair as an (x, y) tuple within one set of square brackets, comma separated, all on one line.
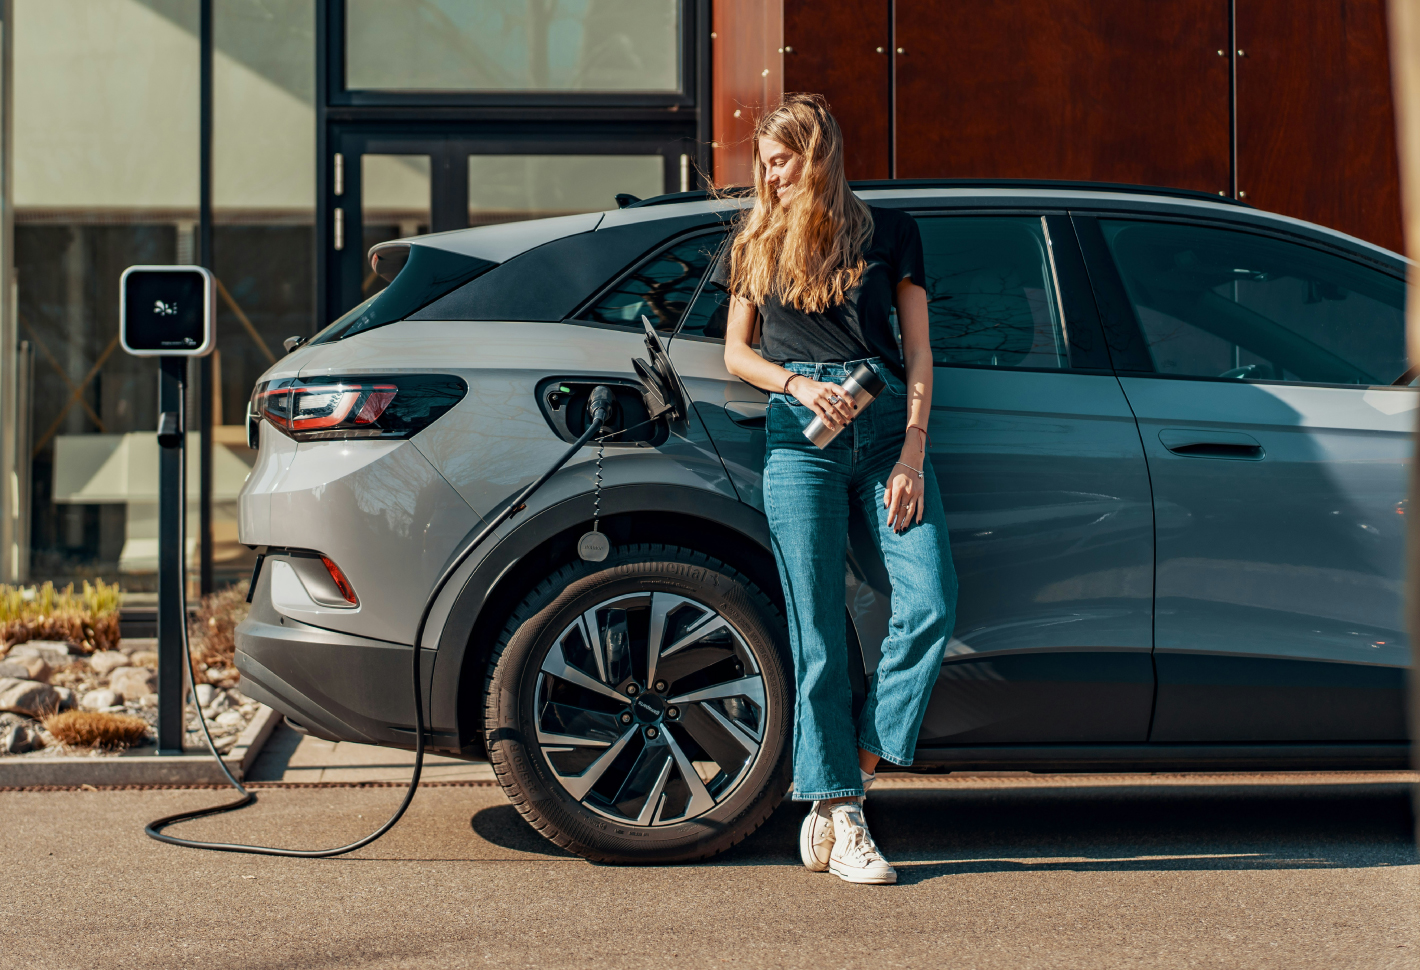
[(657, 738), (638, 710)]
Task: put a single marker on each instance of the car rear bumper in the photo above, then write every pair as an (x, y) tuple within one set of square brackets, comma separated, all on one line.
[(337, 686)]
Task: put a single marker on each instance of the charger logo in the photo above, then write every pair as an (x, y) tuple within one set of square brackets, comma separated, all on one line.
[(164, 309)]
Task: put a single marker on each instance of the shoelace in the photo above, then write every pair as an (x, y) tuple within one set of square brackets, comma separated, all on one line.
[(860, 840)]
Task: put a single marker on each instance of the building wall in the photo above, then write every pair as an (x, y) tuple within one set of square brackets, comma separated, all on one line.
[(1285, 104)]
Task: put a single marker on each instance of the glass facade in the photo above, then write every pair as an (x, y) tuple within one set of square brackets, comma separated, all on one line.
[(105, 154), (513, 45), (505, 188), (105, 162), (103, 142)]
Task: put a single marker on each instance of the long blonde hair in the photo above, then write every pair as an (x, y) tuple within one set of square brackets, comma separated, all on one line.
[(808, 253)]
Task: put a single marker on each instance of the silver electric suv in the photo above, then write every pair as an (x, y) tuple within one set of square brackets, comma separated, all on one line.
[(1172, 435)]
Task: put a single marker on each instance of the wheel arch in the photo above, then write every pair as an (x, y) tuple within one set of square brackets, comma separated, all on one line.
[(711, 523)]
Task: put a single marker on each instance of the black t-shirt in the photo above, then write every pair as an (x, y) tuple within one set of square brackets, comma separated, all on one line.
[(858, 327)]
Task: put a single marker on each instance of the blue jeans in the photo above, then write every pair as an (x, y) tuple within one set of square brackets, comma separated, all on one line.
[(806, 495)]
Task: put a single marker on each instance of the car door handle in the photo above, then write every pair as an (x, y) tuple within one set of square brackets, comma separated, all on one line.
[(1192, 443), (747, 414)]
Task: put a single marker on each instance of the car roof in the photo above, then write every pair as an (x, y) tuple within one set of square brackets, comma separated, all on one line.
[(501, 242)]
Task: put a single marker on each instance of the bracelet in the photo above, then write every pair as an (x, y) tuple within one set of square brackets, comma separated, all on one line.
[(788, 379), (906, 465), (914, 427)]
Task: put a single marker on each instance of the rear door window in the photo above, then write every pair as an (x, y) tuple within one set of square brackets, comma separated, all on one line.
[(1221, 303), (991, 296), (661, 287)]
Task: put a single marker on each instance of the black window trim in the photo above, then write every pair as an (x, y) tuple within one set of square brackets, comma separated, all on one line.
[(653, 253), (1119, 319)]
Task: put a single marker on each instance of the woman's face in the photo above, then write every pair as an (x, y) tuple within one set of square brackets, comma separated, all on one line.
[(782, 169)]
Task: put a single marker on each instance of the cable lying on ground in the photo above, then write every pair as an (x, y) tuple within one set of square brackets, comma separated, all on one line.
[(600, 405)]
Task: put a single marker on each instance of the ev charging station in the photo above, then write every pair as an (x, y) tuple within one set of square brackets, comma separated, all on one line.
[(169, 312)]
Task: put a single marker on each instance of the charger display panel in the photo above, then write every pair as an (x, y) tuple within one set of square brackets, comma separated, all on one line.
[(166, 311)]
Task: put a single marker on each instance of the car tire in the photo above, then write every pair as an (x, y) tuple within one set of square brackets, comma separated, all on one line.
[(623, 772)]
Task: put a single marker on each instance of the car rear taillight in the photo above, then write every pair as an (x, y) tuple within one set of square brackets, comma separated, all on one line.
[(313, 409), (341, 583)]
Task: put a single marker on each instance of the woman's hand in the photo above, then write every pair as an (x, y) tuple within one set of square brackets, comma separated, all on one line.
[(902, 496), (829, 401)]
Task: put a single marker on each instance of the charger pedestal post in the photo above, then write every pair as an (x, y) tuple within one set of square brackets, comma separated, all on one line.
[(168, 312), (172, 567)]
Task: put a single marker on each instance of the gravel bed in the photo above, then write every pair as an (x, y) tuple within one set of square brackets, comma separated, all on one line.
[(42, 677)]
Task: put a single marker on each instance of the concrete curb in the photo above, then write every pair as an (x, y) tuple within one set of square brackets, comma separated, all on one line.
[(189, 768)]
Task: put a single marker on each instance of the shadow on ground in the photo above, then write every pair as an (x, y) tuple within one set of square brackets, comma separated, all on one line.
[(935, 832)]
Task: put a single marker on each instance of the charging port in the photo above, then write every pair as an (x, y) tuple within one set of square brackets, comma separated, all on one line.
[(564, 403)]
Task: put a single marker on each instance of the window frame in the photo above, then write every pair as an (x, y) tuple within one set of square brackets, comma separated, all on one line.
[(1125, 335), (340, 95), (1074, 302), (576, 318)]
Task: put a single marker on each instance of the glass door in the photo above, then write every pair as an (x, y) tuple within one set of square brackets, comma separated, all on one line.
[(395, 202)]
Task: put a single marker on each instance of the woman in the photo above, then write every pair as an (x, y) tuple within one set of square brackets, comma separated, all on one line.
[(814, 274)]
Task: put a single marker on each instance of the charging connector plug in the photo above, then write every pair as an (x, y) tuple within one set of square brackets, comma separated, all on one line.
[(601, 407)]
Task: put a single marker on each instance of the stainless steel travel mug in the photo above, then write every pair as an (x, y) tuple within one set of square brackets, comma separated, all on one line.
[(863, 386)]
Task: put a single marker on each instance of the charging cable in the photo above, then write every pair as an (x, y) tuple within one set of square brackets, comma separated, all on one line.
[(600, 405)]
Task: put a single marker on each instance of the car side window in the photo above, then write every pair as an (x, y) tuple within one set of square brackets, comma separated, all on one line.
[(991, 297), (660, 288), (1216, 302)]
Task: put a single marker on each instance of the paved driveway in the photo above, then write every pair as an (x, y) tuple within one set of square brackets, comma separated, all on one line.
[(996, 872)]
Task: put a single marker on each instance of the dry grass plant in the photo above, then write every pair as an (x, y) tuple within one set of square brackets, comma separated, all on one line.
[(96, 729), (212, 635), (88, 619)]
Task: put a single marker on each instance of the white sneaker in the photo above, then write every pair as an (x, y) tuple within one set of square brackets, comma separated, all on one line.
[(855, 857), (816, 838)]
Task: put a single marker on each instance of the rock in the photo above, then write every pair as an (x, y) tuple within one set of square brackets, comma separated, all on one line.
[(106, 662), (36, 667), (12, 668), (220, 703), (144, 658), (237, 697), (29, 697), (133, 682), (97, 700), (134, 644), (148, 701), (21, 737), (53, 652), (204, 694), (66, 698), (231, 719)]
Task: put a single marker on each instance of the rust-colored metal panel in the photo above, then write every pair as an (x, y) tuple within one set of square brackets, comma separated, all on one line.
[(746, 74), (1065, 89), (842, 50), (1316, 125)]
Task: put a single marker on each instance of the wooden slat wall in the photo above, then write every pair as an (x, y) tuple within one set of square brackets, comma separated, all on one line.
[(1316, 123), (843, 50), (747, 69), (1065, 89), (1105, 90)]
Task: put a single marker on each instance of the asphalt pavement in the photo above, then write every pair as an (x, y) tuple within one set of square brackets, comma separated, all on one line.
[(1004, 872)]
